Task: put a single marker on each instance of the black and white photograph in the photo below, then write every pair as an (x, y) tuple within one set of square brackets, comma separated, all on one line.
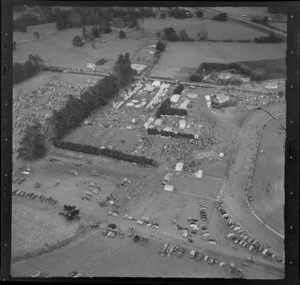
[(148, 141)]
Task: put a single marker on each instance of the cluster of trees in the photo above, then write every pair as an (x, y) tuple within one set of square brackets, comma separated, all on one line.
[(32, 145), (277, 10), (23, 21), (22, 71), (178, 89), (166, 109), (199, 14), (154, 131), (179, 13), (206, 68), (170, 34), (123, 70), (261, 20), (222, 17), (103, 151), (271, 38)]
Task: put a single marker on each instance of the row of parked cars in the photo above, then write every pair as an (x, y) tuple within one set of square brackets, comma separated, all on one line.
[(242, 238), (143, 221), (33, 196)]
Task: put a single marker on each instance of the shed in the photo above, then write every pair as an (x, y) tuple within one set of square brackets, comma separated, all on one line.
[(222, 98), (207, 97), (169, 188), (182, 124), (91, 66)]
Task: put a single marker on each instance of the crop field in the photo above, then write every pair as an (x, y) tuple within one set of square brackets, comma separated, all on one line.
[(216, 30), (38, 225), (198, 52), (268, 181)]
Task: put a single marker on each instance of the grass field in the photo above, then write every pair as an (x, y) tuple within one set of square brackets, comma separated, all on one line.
[(33, 228), (198, 52), (55, 47), (269, 201), (270, 68), (216, 30)]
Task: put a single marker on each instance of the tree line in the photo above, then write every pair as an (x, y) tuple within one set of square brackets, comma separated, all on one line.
[(22, 71), (75, 110), (104, 151), (155, 131), (166, 109), (79, 16)]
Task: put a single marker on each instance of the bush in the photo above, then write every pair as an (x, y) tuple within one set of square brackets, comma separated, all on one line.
[(195, 77), (95, 32), (271, 38), (162, 16), (122, 34), (77, 41), (199, 14), (221, 17), (160, 46)]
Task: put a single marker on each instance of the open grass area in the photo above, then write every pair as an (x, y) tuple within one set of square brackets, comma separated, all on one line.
[(198, 52), (268, 181), (216, 30), (55, 47), (33, 229)]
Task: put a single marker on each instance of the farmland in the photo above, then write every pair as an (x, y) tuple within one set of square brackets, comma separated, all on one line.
[(199, 147)]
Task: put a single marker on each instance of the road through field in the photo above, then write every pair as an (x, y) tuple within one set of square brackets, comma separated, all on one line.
[(233, 194)]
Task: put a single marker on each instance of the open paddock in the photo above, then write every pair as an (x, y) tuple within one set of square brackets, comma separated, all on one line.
[(216, 30), (198, 52)]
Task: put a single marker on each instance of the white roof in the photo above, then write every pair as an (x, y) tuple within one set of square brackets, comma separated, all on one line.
[(207, 97), (179, 166), (182, 124), (199, 173), (169, 187), (156, 83), (192, 95), (175, 98), (149, 87), (184, 104), (158, 122)]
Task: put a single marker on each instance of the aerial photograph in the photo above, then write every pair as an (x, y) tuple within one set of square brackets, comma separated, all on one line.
[(148, 141)]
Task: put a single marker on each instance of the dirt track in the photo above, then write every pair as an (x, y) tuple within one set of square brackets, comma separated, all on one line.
[(233, 195)]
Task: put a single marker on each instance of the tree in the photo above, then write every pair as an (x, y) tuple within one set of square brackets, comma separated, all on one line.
[(84, 33), (199, 14), (183, 36), (123, 70), (160, 46), (265, 21), (122, 34), (32, 145), (95, 32), (36, 34), (220, 17), (162, 16), (77, 42), (170, 34), (18, 72)]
